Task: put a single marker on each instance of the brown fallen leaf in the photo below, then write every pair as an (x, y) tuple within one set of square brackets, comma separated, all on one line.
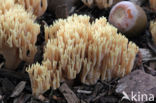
[(18, 89)]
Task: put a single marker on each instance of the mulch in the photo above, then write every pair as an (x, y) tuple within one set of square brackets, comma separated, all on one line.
[(15, 85)]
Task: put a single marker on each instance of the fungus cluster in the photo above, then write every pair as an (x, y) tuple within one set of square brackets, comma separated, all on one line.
[(101, 4), (38, 7), (5, 5), (18, 34), (76, 46), (153, 30)]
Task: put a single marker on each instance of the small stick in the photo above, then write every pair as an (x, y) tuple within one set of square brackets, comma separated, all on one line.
[(84, 91)]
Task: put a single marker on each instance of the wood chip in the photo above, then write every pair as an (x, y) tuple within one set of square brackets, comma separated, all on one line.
[(68, 94)]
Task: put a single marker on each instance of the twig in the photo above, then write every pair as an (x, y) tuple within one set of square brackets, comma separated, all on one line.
[(84, 91)]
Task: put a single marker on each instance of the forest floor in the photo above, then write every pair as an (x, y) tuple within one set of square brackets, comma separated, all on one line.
[(15, 85)]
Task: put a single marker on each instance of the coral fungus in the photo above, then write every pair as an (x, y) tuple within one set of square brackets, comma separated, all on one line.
[(100, 3), (38, 7), (18, 35), (75, 46), (153, 30), (5, 5)]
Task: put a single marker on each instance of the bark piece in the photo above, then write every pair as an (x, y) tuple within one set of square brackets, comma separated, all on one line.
[(137, 83), (68, 94)]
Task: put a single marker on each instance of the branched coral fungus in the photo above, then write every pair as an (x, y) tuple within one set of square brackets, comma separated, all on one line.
[(153, 30), (75, 46), (5, 5), (18, 35), (100, 3), (38, 7)]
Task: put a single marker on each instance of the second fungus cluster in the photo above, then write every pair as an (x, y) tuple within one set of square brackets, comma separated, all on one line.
[(76, 46)]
